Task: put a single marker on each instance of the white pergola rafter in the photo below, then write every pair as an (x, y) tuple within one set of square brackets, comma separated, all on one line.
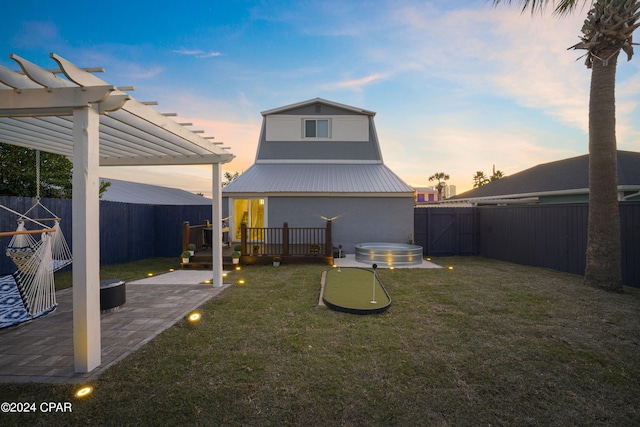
[(131, 133), (94, 124)]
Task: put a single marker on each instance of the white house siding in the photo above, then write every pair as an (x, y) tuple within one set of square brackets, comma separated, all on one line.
[(357, 219), (291, 128)]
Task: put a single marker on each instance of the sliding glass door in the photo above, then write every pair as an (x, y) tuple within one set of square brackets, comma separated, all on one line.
[(248, 211)]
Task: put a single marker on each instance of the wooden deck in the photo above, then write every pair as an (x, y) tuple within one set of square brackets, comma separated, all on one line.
[(261, 245), (202, 259)]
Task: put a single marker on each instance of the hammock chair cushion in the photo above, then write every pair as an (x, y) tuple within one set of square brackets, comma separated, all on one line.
[(12, 308)]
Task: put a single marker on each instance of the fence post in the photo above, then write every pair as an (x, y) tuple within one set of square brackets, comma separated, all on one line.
[(327, 239), (243, 238), (185, 235), (285, 239)]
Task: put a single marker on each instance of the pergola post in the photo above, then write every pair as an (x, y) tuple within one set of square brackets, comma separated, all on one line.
[(216, 226), (86, 238)]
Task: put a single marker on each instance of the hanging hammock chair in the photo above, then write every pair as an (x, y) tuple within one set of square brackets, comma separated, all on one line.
[(29, 292), (22, 245)]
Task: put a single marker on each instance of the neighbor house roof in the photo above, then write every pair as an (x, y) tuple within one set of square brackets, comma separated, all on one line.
[(337, 179), (146, 194), (562, 177)]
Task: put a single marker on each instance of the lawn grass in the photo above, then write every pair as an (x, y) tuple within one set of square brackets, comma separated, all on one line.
[(484, 343)]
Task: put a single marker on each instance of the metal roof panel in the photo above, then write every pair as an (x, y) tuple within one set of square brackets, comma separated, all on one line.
[(318, 178)]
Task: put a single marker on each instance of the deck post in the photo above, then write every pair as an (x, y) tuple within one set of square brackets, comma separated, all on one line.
[(243, 238), (327, 239), (285, 239), (185, 235)]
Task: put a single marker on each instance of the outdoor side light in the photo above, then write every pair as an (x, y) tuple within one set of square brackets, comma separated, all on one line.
[(149, 274), (83, 392), (194, 317), (450, 267), (238, 268), (241, 282), (171, 270)]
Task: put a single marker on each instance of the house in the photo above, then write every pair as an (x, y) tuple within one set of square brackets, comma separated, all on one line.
[(426, 195), (562, 181), (316, 161)]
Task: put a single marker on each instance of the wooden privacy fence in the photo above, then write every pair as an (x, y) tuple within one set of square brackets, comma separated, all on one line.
[(551, 236), (128, 231), (286, 241), (446, 231)]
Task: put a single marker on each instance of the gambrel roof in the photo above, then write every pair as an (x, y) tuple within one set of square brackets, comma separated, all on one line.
[(346, 163), (314, 101)]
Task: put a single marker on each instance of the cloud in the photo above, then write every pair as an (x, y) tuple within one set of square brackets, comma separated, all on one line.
[(355, 84), (499, 52), (38, 34), (460, 151), (198, 53)]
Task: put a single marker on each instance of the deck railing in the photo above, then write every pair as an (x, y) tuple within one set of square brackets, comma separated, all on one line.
[(195, 234), (286, 241)]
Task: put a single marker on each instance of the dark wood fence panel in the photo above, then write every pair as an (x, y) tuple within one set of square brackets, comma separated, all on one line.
[(554, 236), (446, 231), (168, 220), (127, 232), (551, 236), (630, 229)]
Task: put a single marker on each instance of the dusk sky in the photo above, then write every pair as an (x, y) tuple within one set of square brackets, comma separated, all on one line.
[(458, 86)]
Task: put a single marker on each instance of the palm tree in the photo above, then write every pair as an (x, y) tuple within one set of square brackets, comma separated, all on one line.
[(607, 30), (480, 179), (441, 177), (497, 174)]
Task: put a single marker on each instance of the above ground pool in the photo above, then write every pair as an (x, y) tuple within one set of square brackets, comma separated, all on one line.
[(389, 254)]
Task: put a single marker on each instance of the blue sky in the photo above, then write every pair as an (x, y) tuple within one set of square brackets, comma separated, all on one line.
[(457, 86)]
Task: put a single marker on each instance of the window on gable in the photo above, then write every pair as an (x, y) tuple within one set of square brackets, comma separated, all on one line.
[(316, 128)]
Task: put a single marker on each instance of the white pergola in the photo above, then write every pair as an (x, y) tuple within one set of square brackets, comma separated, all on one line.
[(96, 124)]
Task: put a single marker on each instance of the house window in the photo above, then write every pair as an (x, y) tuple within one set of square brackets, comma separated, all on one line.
[(316, 128)]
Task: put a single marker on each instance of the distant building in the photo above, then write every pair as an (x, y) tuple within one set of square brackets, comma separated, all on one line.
[(426, 195), (450, 191), (147, 194), (430, 194)]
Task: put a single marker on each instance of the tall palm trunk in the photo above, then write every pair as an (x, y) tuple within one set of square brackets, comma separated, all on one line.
[(603, 263)]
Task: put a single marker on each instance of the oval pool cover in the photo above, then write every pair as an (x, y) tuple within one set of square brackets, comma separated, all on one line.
[(355, 290)]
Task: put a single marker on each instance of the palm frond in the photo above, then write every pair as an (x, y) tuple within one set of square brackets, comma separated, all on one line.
[(564, 7)]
